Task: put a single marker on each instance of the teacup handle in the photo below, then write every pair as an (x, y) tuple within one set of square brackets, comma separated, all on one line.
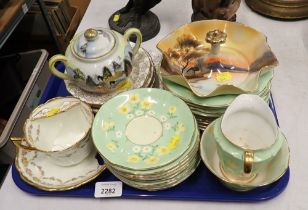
[(52, 61), (21, 143), (134, 31), (248, 161)]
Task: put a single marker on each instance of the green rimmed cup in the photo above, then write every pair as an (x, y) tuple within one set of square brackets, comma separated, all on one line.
[(247, 138)]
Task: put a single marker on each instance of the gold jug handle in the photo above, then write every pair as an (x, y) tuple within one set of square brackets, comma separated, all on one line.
[(248, 161), (21, 143)]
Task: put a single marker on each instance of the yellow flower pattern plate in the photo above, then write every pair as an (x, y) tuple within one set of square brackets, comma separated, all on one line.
[(143, 129)]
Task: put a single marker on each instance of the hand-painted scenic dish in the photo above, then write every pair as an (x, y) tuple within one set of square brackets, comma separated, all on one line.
[(215, 57)]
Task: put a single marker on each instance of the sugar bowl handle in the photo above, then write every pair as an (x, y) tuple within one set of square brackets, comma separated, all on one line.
[(52, 61), (248, 161), (20, 142), (134, 31)]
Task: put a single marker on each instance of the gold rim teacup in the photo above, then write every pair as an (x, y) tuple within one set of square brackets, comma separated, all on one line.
[(61, 129)]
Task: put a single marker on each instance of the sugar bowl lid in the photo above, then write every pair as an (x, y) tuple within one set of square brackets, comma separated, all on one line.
[(94, 43)]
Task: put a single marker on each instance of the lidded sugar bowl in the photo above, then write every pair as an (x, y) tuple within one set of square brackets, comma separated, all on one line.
[(98, 60)]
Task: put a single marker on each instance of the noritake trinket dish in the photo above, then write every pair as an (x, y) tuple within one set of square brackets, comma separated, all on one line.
[(215, 57)]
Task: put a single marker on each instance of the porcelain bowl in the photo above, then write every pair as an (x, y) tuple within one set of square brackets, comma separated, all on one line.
[(188, 61)]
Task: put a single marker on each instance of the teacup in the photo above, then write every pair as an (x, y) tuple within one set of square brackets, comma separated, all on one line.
[(61, 129), (247, 138)]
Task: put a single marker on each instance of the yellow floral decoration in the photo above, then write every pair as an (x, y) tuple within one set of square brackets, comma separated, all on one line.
[(163, 150), (173, 142), (111, 146), (133, 158), (52, 111), (124, 109), (134, 98), (181, 127), (172, 109), (107, 125), (146, 104), (151, 160)]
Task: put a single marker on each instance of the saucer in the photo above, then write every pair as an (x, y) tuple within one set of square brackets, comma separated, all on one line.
[(36, 169), (141, 76), (143, 129), (275, 170), (222, 101)]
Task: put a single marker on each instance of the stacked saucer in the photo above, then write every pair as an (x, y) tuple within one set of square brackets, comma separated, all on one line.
[(148, 138), (207, 109), (143, 75)]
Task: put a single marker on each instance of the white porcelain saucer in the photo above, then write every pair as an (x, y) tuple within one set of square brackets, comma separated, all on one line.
[(38, 170), (272, 173), (141, 75)]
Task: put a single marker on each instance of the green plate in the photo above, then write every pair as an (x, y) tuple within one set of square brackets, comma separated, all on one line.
[(166, 170), (162, 183), (143, 129), (215, 101)]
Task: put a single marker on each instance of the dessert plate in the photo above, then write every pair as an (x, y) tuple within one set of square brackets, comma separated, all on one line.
[(143, 129), (160, 173), (38, 170), (276, 168)]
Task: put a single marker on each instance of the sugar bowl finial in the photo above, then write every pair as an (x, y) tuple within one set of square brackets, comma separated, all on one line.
[(90, 34), (215, 38)]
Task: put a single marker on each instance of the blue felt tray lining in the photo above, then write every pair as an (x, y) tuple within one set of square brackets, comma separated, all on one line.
[(201, 185)]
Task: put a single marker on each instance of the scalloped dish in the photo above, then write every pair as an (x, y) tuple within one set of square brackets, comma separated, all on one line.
[(192, 57)]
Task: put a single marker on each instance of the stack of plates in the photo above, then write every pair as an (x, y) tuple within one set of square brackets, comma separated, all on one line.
[(148, 138), (207, 109), (143, 75)]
